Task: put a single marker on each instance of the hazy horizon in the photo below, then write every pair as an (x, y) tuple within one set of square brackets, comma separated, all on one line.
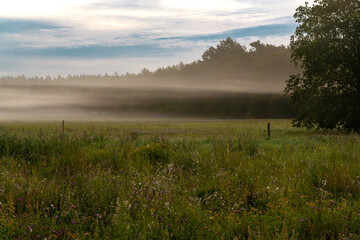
[(45, 38)]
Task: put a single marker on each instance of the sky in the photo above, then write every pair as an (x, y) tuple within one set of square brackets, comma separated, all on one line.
[(48, 37)]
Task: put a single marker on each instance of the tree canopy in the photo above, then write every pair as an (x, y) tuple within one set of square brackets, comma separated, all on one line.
[(326, 45), (231, 60)]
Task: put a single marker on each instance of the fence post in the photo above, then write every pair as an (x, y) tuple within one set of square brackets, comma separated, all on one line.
[(63, 131), (269, 130)]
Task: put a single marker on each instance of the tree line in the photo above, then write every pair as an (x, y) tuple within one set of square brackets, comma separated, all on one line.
[(231, 60), (228, 63), (228, 60)]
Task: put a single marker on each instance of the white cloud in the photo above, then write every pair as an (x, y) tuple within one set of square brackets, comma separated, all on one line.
[(205, 5), (157, 15), (40, 8)]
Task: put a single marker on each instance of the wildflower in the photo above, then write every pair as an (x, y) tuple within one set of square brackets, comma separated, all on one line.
[(98, 215)]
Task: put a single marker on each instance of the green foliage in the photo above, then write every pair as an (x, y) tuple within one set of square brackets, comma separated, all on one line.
[(193, 180), (327, 46)]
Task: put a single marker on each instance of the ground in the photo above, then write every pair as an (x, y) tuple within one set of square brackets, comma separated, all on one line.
[(179, 179)]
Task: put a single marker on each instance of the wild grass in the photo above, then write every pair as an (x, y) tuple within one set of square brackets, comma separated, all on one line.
[(192, 180)]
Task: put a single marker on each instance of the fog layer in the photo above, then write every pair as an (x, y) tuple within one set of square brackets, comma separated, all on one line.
[(228, 82)]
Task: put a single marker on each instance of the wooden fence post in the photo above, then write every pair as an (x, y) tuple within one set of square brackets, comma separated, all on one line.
[(63, 131)]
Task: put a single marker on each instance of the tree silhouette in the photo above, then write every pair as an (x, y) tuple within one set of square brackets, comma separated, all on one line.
[(326, 45)]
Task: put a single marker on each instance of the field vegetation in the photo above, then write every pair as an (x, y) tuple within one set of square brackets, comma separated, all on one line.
[(172, 180)]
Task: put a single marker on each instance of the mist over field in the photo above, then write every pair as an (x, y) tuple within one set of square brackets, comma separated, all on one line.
[(108, 99), (228, 82)]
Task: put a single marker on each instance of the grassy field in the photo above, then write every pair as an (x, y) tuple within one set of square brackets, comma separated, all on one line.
[(173, 180)]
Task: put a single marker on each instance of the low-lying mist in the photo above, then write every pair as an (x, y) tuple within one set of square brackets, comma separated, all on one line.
[(56, 99), (230, 81)]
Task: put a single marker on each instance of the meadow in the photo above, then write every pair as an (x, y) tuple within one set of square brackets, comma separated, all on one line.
[(193, 179)]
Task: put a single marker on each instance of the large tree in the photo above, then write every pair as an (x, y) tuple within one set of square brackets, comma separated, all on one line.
[(326, 45)]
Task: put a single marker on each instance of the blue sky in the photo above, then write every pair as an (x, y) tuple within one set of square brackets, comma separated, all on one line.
[(43, 37)]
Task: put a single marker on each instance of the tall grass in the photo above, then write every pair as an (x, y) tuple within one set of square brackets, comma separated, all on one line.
[(206, 180)]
